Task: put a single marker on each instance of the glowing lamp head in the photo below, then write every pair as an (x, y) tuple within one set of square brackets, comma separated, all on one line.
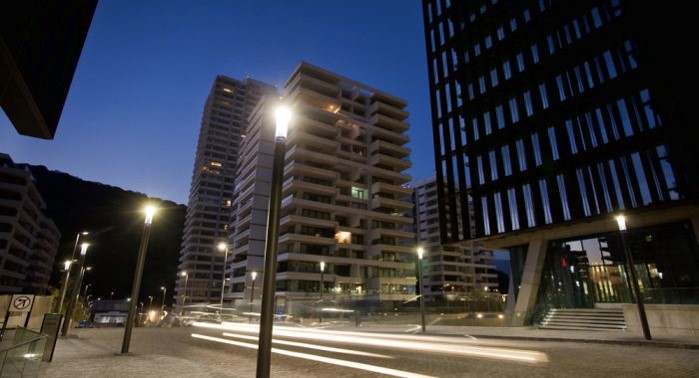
[(322, 266), (83, 248), (183, 274), (150, 211), (283, 116), (253, 275), (621, 221), (420, 252), (222, 246), (66, 264)]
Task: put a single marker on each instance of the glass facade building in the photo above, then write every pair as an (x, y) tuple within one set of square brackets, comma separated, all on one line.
[(556, 116)]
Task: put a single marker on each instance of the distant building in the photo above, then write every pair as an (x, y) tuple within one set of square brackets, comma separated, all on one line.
[(223, 125), (28, 239), (40, 44), (342, 195), (559, 116), (451, 271)]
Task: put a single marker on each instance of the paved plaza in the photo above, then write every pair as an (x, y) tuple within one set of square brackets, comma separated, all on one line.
[(172, 352)]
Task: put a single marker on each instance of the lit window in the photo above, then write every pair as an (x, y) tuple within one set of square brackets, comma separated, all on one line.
[(506, 70), (343, 237), (359, 193), (227, 90), (216, 164)]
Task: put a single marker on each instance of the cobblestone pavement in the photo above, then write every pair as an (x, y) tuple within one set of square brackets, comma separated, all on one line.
[(172, 352)]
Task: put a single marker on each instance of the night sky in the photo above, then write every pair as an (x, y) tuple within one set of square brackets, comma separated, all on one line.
[(133, 113)]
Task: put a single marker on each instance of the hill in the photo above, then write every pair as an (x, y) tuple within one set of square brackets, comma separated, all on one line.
[(114, 218)]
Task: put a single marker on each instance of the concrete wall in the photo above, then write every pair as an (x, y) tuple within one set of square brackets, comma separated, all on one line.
[(664, 320)]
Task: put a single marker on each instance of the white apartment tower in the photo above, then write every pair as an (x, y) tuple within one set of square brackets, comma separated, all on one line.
[(451, 271), (342, 195), (211, 195), (28, 239)]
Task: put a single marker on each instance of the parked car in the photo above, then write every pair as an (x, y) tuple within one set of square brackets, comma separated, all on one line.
[(83, 324)]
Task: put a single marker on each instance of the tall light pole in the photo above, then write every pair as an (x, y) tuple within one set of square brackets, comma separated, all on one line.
[(76, 289), (322, 284), (420, 253), (264, 349), (136, 288), (150, 304), (66, 268), (223, 247), (621, 222), (162, 306), (253, 275), (184, 297)]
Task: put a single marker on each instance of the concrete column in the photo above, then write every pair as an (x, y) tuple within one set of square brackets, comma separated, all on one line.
[(694, 218), (531, 277)]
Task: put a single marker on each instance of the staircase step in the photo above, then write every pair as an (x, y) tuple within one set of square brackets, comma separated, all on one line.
[(588, 319)]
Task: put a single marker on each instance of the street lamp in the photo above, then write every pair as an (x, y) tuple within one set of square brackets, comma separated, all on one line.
[(420, 253), (162, 306), (150, 304), (322, 270), (76, 289), (136, 288), (621, 222), (253, 275), (184, 297), (66, 268), (223, 247), (264, 349)]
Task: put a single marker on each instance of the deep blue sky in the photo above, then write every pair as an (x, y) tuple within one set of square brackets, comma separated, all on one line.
[(133, 112)]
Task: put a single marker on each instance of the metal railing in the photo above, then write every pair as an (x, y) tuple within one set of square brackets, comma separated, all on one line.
[(21, 353)]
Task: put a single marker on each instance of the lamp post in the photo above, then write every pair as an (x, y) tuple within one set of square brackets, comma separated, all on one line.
[(253, 275), (162, 306), (66, 268), (223, 247), (264, 350), (621, 222), (420, 253), (184, 297), (136, 288), (150, 304), (76, 289), (322, 271)]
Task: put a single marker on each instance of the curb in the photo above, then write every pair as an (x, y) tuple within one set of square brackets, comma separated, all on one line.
[(659, 344)]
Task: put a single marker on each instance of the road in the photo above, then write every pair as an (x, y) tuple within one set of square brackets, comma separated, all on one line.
[(214, 352)]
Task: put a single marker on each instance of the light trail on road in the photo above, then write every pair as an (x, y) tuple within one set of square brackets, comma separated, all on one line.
[(311, 346), (440, 345), (313, 357)]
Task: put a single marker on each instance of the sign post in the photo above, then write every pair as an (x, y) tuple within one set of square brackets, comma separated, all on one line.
[(50, 326), (18, 303)]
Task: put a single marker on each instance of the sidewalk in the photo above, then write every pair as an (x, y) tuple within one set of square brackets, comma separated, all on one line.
[(536, 334), (158, 352)]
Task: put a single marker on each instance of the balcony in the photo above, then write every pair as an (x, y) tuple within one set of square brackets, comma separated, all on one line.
[(382, 187), (388, 110), (293, 184), (297, 168), (291, 220), (379, 158), (387, 123), (388, 148), (300, 153), (398, 206)]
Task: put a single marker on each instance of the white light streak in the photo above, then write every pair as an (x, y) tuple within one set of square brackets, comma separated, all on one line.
[(441, 345), (311, 346), (313, 357)]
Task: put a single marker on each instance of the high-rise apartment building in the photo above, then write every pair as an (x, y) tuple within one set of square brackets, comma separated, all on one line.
[(28, 239), (208, 215), (557, 116), (451, 271), (342, 200)]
